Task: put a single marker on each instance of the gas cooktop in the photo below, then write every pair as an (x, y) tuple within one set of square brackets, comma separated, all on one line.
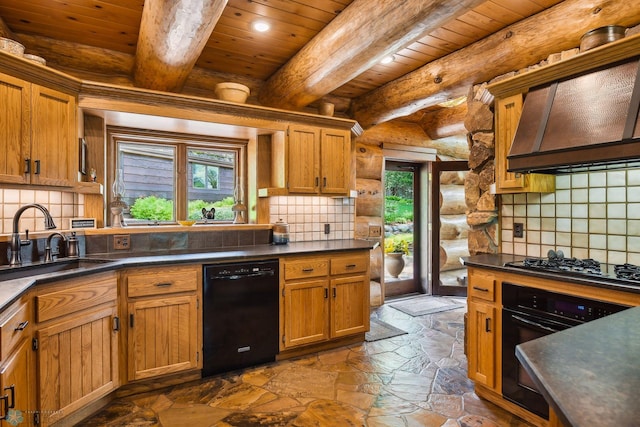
[(586, 268)]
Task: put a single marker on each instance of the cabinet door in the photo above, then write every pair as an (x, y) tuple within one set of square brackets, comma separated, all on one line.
[(508, 111), (163, 336), (15, 385), (335, 161), (14, 129), (306, 310), (302, 160), (349, 305), (507, 115), (482, 343), (77, 362), (54, 147)]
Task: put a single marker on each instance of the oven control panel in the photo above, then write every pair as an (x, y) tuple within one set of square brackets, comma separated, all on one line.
[(547, 302)]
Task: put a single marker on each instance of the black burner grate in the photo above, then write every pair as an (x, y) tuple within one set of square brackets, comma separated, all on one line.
[(627, 271), (586, 266)]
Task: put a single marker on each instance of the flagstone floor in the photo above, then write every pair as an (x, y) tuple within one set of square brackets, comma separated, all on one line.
[(416, 379)]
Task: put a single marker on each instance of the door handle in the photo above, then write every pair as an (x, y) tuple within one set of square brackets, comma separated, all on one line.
[(487, 324), (37, 172)]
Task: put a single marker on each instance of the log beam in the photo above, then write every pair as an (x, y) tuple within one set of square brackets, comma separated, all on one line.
[(173, 34), (352, 43), (445, 122), (517, 46)]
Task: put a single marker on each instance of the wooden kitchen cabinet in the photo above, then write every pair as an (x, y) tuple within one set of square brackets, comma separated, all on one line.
[(483, 323), (38, 135), (164, 320), (318, 161), (76, 344), (324, 298), (17, 389), (507, 115)]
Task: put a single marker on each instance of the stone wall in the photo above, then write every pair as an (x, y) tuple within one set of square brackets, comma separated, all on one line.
[(482, 211)]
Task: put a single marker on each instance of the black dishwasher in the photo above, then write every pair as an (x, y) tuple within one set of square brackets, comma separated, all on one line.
[(240, 315)]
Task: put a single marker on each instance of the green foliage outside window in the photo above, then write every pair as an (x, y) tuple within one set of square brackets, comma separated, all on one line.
[(154, 208)]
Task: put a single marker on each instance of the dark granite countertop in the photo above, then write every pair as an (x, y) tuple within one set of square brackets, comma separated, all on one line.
[(589, 374), (498, 262), (11, 289)]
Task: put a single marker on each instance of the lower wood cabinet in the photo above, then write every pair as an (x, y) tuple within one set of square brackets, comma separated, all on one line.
[(164, 320), (324, 297), (76, 344), (17, 389)]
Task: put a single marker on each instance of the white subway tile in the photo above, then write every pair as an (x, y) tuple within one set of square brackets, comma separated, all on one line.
[(598, 226), (597, 241), (579, 180), (616, 178)]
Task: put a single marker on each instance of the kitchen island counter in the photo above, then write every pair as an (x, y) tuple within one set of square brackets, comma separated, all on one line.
[(589, 374)]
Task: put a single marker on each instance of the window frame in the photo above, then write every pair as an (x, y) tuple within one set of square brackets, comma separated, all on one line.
[(182, 143)]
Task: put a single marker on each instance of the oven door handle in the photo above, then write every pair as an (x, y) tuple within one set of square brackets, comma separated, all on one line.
[(534, 324)]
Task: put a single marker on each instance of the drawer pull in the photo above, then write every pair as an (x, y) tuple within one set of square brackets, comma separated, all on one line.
[(481, 289), (163, 285), (5, 405), (350, 265), (12, 388), (37, 172), (22, 326), (307, 270)]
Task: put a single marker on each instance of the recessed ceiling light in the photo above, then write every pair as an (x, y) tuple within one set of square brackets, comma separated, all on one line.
[(261, 26), (387, 59)]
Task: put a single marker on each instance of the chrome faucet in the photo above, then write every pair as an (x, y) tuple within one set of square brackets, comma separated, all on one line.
[(48, 255), (16, 242)]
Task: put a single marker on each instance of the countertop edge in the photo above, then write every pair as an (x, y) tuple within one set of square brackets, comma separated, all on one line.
[(11, 290)]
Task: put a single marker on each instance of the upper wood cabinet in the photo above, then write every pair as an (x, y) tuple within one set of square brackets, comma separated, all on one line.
[(318, 161), (38, 134), (507, 115)]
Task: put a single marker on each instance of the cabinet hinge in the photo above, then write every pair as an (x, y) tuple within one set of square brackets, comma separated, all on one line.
[(34, 344), (282, 291), (197, 303), (36, 419), (283, 338), (197, 356)]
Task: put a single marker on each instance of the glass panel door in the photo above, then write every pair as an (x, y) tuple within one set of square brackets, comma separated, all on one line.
[(401, 228), (449, 228)]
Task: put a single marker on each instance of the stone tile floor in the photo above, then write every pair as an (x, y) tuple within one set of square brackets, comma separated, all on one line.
[(416, 379)]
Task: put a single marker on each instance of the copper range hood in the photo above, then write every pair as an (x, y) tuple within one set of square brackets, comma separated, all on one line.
[(586, 122)]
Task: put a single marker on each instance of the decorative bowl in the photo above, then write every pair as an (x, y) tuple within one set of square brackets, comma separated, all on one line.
[(11, 46), (187, 223), (233, 92), (35, 58)]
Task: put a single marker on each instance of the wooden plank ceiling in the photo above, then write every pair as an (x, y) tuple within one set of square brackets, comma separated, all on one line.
[(234, 51)]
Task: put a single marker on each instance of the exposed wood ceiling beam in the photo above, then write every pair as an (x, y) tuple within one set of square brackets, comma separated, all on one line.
[(520, 45), (172, 36), (352, 43)]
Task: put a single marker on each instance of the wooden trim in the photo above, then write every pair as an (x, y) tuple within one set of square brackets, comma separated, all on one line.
[(619, 50)]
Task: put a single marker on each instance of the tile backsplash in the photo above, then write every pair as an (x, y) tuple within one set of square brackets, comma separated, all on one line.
[(307, 215), (62, 206), (590, 215)]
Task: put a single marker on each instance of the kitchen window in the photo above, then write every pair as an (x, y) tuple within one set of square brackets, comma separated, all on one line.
[(169, 176)]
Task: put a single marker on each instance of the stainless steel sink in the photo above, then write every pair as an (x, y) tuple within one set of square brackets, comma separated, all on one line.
[(64, 264)]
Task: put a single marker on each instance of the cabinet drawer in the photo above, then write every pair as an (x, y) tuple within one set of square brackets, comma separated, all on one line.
[(81, 294), (159, 281), (300, 269), (349, 264), (482, 285), (15, 324)]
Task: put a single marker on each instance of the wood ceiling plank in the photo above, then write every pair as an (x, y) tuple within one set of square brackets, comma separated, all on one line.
[(321, 12), (498, 12), (525, 7)]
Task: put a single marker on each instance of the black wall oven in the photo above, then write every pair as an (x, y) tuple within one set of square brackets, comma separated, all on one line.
[(530, 313)]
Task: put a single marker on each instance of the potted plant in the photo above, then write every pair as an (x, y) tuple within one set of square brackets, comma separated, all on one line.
[(395, 247)]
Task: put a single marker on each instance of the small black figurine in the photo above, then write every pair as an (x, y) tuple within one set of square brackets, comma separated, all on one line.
[(209, 214)]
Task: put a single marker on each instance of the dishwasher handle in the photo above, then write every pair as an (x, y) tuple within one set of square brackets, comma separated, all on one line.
[(231, 277)]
